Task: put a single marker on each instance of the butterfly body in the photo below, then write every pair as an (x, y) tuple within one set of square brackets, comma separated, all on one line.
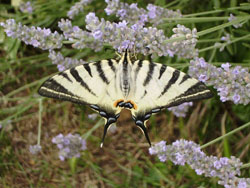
[(110, 85)]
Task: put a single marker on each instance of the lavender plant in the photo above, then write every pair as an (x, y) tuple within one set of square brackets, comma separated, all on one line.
[(231, 83), (77, 8), (26, 7), (183, 152), (69, 145)]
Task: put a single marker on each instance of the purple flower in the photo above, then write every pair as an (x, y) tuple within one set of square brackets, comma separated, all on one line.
[(236, 98), (231, 18), (151, 11), (203, 78), (231, 83), (77, 8), (183, 152), (36, 36), (35, 149), (122, 13), (181, 110), (132, 14), (226, 66), (63, 63), (69, 145), (97, 34), (26, 7)]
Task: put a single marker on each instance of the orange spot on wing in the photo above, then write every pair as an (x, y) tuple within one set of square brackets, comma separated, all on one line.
[(117, 101), (133, 103)]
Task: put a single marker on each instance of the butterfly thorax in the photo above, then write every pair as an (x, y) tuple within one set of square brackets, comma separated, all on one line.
[(125, 77)]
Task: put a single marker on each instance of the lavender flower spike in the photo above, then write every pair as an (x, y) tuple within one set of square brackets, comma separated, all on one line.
[(183, 152), (134, 15), (69, 145), (35, 149), (121, 36), (181, 110), (63, 63), (231, 83), (76, 8), (35, 36), (26, 7)]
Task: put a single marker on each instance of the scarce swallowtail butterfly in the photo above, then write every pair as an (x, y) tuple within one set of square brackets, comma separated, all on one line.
[(141, 86)]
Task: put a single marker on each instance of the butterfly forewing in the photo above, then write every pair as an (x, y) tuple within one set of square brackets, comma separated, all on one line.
[(158, 86), (92, 83)]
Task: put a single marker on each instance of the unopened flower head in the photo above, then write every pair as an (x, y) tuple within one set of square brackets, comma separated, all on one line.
[(232, 83), (69, 145), (231, 18)]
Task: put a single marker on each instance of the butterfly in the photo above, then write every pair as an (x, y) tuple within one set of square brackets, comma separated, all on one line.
[(110, 85)]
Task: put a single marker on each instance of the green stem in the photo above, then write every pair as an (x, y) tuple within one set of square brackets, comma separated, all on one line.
[(233, 41), (245, 166), (210, 30), (247, 7), (27, 86), (238, 20), (225, 135), (39, 120), (199, 19)]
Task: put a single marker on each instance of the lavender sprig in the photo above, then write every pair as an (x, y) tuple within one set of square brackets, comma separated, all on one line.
[(34, 149), (35, 36), (77, 8), (231, 83), (181, 110), (134, 15), (145, 40), (231, 18), (69, 145), (26, 7), (64, 63), (183, 152)]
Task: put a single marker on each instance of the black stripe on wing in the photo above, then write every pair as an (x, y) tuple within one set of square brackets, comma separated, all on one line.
[(162, 70), (53, 89), (87, 68), (110, 63), (185, 78), (51, 84), (172, 81), (65, 75), (149, 73), (78, 78), (101, 72), (197, 92), (139, 66)]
